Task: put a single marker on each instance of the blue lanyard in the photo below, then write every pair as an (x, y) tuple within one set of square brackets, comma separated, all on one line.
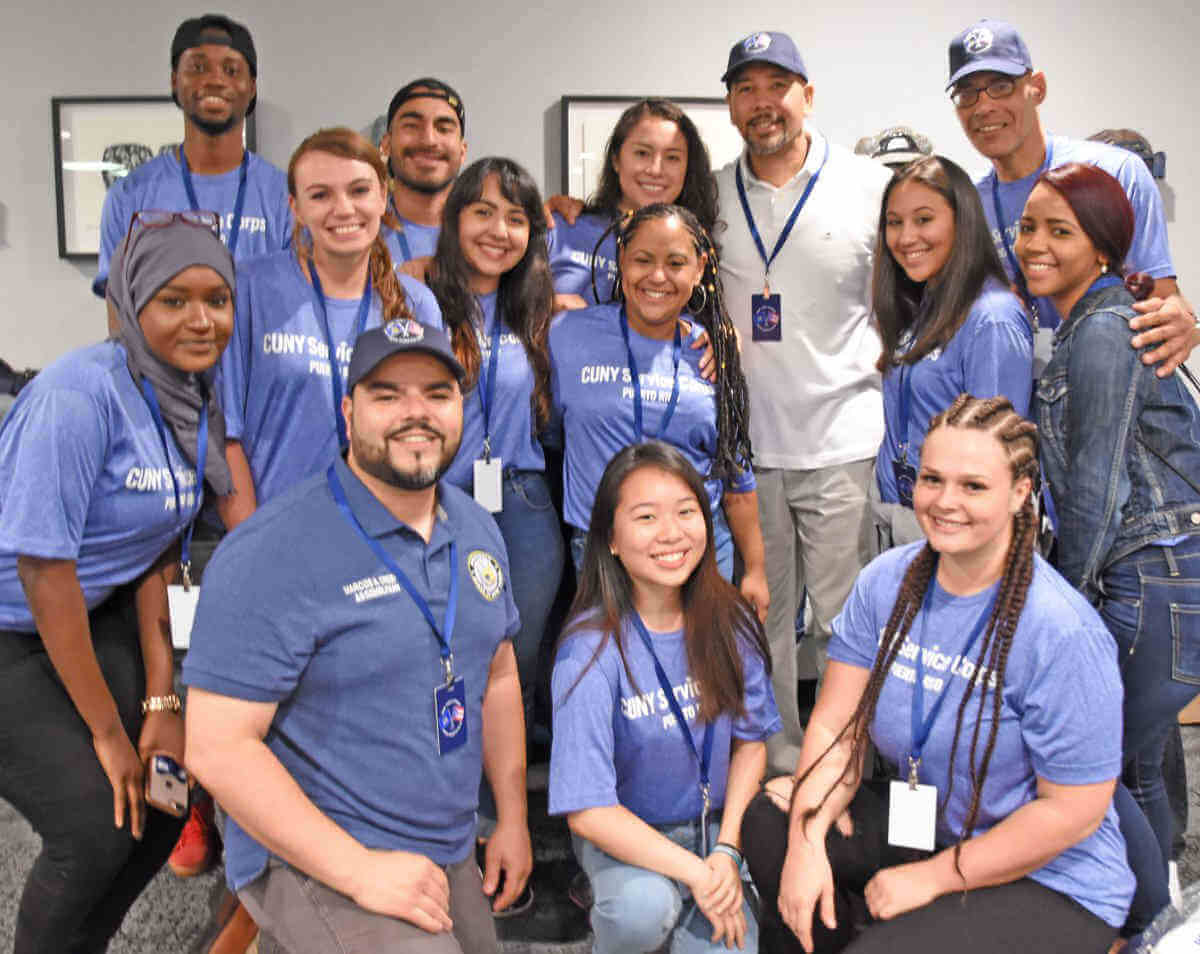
[(787, 228), (443, 633), (487, 387), (921, 729), (704, 754), (185, 556), (676, 351), (905, 408), (236, 227), (335, 370), (400, 236), (1018, 275)]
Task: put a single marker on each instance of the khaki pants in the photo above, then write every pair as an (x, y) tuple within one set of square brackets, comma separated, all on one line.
[(818, 534)]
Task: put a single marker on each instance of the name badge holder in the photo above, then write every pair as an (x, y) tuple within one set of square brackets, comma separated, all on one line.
[(676, 353), (766, 310), (912, 806), (235, 229), (181, 599), (489, 492), (335, 371), (704, 754), (904, 472), (450, 723)]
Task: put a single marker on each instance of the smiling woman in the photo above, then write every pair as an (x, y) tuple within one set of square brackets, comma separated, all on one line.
[(104, 459)]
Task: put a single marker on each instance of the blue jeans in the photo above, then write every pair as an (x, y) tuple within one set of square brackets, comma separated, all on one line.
[(636, 910), (1151, 605), (722, 538), (530, 527)]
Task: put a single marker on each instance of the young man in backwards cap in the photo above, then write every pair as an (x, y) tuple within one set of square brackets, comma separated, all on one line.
[(997, 93), (214, 73), (351, 671), (808, 347), (424, 147)]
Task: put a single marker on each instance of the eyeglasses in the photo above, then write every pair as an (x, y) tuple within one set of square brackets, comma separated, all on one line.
[(161, 218), (964, 96)]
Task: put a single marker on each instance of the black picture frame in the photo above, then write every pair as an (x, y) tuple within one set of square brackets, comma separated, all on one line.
[(94, 138)]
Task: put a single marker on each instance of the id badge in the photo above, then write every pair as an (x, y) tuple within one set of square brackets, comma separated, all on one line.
[(912, 815), (488, 493), (766, 317), (906, 478), (182, 605), (450, 716)]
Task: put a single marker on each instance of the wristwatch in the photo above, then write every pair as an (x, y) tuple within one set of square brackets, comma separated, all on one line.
[(168, 703)]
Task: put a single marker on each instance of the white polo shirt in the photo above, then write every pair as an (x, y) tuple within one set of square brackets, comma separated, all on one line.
[(815, 394)]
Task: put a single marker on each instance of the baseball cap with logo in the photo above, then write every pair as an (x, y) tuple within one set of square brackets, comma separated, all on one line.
[(399, 336), (765, 47), (989, 45)]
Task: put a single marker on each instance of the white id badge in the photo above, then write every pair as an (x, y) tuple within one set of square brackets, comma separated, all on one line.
[(182, 604), (912, 816), (487, 485)]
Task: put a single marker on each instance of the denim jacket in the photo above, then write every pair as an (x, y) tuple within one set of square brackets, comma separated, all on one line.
[(1106, 423)]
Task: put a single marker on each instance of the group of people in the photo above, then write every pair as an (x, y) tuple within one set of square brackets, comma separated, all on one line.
[(799, 378)]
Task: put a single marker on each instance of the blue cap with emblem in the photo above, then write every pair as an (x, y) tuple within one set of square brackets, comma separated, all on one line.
[(397, 336), (765, 47), (988, 46)]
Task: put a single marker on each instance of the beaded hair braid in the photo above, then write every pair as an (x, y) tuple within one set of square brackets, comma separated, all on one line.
[(733, 452), (1018, 436)]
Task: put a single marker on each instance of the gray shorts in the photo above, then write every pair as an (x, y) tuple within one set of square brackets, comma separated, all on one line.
[(307, 917)]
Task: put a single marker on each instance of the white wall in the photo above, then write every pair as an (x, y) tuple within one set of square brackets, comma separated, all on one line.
[(321, 63)]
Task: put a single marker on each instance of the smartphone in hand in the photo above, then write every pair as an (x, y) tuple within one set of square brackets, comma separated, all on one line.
[(167, 785)]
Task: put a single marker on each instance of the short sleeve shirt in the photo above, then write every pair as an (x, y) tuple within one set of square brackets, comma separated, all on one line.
[(573, 254)]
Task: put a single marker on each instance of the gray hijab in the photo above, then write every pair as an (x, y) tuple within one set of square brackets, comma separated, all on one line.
[(146, 260)]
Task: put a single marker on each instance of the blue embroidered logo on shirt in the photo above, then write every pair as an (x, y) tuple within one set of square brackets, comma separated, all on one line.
[(486, 574)]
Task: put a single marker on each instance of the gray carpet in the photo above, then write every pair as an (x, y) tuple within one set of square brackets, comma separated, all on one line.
[(172, 914)]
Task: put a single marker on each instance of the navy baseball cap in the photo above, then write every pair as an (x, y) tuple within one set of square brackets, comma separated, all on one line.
[(398, 336), (988, 46), (767, 47)]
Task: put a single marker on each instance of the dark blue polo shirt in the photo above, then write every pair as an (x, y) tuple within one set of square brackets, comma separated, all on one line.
[(296, 609)]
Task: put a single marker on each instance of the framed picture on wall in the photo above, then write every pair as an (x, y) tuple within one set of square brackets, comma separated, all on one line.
[(96, 141), (588, 121)]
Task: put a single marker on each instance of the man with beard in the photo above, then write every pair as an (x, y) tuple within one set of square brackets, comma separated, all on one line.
[(796, 272), (214, 73), (424, 149), (328, 624)]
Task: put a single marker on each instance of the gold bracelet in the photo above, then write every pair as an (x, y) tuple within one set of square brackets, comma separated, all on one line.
[(168, 703)]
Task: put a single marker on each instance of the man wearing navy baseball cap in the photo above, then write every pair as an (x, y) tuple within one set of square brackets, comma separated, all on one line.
[(351, 659), (997, 93), (802, 217), (214, 81)]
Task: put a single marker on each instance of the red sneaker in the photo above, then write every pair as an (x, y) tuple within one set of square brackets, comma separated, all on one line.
[(196, 850)]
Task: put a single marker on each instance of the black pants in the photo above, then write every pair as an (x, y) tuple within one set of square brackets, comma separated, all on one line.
[(1022, 916), (89, 872)]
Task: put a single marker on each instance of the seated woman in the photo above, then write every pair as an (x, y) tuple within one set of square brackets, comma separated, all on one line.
[(949, 323), (621, 374), (662, 702), (103, 459), (1121, 451), (299, 313), (991, 689), (654, 155), (492, 283)]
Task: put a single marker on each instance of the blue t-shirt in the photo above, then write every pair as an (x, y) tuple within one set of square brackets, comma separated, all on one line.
[(83, 477), (297, 610), (1060, 711), (512, 436), (275, 386), (413, 241), (616, 741), (992, 353), (593, 403), (572, 249), (158, 184), (1149, 252)]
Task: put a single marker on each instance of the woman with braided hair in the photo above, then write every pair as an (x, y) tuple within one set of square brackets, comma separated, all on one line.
[(624, 372), (990, 688)]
